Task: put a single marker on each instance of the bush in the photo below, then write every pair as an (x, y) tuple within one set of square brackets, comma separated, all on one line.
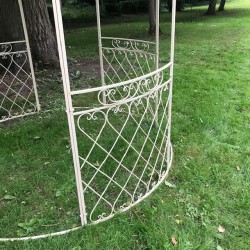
[(134, 6), (143, 6), (113, 8), (129, 7)]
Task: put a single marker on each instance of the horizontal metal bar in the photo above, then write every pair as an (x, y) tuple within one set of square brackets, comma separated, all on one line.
[(113, 105), (84, 91), (17, 116), (6, 43), (129, 50), (127, 39), (12, 53)]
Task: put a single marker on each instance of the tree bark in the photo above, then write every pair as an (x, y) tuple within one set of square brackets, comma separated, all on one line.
[(152, 17), (40, 30), (211, 8), (222, 5)]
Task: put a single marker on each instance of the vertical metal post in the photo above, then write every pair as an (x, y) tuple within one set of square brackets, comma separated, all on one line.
[(100, 47), (157, 33), (157, 48), (69, 105), (29, 53), (171, 75)]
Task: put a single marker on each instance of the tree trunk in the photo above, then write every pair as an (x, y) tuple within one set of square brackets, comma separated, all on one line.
[(222, 5), (41, 36), (152, 17), (211, 8)]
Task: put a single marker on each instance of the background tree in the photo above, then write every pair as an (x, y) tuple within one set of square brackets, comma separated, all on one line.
[(152, 16), (212, 7), (41, 34), (222, 5)]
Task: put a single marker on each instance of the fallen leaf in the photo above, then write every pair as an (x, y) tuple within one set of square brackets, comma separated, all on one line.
[(219, 248), (9, 197), (97, 164), (174, 241), (76, 248), (170, 184), (59, 193), (238, 168), (178, 222), (221, 229), (78, 74)]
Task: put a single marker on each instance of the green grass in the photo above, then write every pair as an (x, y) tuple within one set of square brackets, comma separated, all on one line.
[(210, 137), (77, 15)]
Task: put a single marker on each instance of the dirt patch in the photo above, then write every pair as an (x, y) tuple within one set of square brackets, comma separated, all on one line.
[(87, 68)]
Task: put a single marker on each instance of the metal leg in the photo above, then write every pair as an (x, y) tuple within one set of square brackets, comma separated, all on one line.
[(157, 48), (69, 106), (171, 74), (100, 46), (29, 53)]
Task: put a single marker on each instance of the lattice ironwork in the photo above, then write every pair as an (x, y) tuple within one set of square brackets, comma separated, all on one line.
[(126, 59), (124, 148), (121, 142), (17, 94)]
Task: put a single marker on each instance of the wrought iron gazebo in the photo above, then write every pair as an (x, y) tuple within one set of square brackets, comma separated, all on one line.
[(115, 167)]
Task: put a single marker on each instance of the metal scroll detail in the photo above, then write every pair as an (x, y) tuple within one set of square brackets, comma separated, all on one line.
[(121, 142), (124, 149), (17, 96), (126, 59)]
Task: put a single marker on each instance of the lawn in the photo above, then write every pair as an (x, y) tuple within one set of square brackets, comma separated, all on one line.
[(210, 136)]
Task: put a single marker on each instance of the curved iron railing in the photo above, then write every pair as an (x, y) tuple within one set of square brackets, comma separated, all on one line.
[(121, 142)]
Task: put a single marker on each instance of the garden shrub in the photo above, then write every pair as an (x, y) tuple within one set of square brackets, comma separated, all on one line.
[(143, 6), (134, 6), (113, 8), (129, 7)]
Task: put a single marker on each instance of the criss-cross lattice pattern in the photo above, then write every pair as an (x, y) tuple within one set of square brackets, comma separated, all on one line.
[(126, 59), (124, 149), (17, 96), (119, 131)]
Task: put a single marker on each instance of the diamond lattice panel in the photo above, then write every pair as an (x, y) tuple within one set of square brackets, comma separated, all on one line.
[(123, 146), (126, 59), (17, 96)]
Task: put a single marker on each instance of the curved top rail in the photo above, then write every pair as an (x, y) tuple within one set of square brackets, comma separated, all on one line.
[(124, 101), (127, 39), (84, 91), (129, 50)]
